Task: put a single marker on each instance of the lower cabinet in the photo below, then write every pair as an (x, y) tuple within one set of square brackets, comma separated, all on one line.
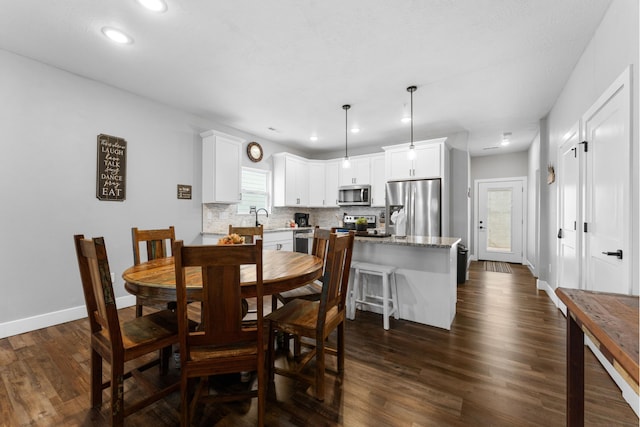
[(278, 240)]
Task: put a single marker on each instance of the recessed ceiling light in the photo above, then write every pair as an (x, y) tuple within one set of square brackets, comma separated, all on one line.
[(355, 130), (506, 139), (117, 36), (154, 5), (313, 138), (406, 119)]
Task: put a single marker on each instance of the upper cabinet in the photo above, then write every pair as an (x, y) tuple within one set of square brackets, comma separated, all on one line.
[(221, 170), (316, 183), (378, 180), (358, 173), (429, 161), (331, 183), (290, 180)]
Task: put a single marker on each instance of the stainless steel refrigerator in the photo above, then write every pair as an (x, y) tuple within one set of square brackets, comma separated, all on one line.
[(421, 202)]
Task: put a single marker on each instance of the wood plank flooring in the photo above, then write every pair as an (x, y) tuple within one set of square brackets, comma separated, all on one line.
[(502, 364)]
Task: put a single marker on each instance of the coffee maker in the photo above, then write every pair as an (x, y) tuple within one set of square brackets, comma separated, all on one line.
[(302, 219)]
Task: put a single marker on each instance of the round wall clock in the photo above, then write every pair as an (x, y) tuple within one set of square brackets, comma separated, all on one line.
[(254, 151)]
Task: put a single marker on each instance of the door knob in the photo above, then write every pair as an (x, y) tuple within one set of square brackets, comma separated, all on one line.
[(617, 254)]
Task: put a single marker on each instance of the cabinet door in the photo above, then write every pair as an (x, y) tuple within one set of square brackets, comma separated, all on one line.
[(221, 168), (296, 182), (279, 241), (427, 162), (378, 180), (358, 173), (331, 183), (398, 165), (316, 172)]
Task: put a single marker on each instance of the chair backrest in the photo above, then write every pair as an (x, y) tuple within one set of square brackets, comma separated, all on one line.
[(336, 275), (247, 232), (156, 242), (320, 244), (221, 293), (97, 287)]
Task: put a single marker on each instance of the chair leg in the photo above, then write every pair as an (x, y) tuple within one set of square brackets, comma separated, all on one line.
[(394, 297), (340, 349), (271, 355), (262, 394), (320, 367), (117, 392), (165, 355), (96, 379), (185, 408), (274, 302)]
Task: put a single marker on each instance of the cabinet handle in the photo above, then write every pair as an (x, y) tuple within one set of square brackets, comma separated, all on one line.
[(278, 246)]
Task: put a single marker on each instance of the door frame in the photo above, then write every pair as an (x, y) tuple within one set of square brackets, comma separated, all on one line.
[(476, 212)]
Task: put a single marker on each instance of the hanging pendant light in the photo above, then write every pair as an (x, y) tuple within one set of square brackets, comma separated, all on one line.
[(412, 151), (346, 164)]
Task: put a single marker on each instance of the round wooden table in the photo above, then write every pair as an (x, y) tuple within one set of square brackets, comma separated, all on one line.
[(281, 271)]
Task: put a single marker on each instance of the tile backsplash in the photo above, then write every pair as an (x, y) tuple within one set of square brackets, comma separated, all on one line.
[(217, 217)]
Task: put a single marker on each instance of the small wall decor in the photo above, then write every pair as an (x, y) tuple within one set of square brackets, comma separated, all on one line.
[(254, 152), (111, 183), (551, 175), (184, 191)]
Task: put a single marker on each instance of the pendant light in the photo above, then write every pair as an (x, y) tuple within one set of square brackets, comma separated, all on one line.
[(412, 152), (346, 164)]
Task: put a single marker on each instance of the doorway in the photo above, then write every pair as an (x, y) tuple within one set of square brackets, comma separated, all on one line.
[(500, 219)]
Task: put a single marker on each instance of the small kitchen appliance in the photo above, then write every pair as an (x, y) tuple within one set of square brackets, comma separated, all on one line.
[(350, 224), (302, 219)]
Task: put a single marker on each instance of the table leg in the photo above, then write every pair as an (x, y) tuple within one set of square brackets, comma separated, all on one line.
[(575, 373)]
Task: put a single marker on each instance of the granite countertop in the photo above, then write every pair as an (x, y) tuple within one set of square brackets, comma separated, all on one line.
[(266, 230), (417, 241)]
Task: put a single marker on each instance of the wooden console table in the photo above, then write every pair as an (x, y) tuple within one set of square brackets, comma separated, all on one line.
[(611, 322)]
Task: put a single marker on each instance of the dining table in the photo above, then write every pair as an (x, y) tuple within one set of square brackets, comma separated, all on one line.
[(281, 271)]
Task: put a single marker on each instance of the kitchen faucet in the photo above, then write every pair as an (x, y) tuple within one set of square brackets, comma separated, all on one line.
[(253, 209)]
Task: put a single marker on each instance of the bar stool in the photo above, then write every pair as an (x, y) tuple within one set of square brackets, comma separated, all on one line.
[(360, 293)]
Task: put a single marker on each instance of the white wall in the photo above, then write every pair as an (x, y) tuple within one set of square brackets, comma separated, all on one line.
[(50, 120), (534, 179), (614, 47)]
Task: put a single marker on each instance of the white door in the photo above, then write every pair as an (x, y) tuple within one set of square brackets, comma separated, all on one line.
[(607, 190), (568, 178), (500, 220)]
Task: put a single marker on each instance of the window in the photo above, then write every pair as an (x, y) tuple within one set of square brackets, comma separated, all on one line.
[(255, 190)]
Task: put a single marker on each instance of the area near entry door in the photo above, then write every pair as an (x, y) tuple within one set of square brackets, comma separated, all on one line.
[(500, 219)]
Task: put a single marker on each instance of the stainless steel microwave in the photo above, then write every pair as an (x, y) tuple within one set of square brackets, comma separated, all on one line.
[(354, 195)]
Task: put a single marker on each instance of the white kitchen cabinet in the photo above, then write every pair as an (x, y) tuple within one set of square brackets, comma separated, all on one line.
[(358, 173), (429, 161), (316, 170), (221, 170), (290, 180), (378, 180), (331, 182), (278, 240)]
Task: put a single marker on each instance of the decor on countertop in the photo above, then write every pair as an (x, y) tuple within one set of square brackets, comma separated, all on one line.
[(111, 169), (551, 175), (412, 152), (254, 152), (231, 239), (361, 224), (346, 164)]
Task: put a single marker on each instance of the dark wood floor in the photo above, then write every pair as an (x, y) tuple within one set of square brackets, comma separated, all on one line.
[(502, 364)]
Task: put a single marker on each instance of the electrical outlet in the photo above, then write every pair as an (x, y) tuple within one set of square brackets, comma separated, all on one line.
[(224, 215), (209, 215), (113, 277)]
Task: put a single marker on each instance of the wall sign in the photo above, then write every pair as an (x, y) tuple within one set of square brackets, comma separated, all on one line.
[(111, 176), (184, 191)]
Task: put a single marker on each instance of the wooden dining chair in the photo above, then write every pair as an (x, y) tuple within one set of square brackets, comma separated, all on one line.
[(316, 319), (223, 343), (116, 341), (247, 232), (157, 242)]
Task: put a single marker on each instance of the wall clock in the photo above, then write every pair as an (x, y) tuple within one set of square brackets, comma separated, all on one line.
[(254, 151)]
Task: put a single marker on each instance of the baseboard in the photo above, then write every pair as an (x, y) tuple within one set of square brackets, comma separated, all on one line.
[(40, 321), (532, 268), (628, 394)]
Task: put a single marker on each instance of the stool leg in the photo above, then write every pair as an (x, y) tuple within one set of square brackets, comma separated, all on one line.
[(385, 301), (351, 312), (394, 290)]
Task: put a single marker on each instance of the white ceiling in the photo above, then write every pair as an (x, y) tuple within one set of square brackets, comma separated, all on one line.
[(481, 66)]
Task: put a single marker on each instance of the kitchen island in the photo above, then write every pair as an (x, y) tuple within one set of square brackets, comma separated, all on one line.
[(425, 275)]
